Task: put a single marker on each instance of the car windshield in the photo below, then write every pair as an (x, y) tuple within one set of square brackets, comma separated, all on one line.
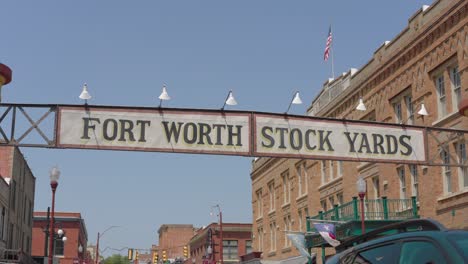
[(460, 241)]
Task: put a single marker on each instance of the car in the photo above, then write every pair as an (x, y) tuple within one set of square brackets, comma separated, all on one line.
[(414, 241)]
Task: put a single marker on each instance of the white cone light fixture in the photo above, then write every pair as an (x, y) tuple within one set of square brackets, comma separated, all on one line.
[(230, 100), (423, 111), (85, 94), (297, 99), (164, 96), (361, 106)]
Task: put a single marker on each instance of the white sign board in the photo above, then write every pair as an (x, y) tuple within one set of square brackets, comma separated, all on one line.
[(325, 139), (237, 133), (154, 130)]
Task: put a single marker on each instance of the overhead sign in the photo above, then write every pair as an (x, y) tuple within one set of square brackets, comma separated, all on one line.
[(237, 133), (154, 130), (306, 137)]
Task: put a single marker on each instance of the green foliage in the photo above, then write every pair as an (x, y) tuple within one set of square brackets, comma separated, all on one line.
[(116, 259)]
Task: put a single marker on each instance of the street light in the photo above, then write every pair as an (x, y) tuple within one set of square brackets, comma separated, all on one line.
[(97, 242), (361, 188), (54, 176), (220, 232)]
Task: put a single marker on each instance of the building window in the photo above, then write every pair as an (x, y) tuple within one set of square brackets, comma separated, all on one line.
[(248, 246), (59, 247), (401, 177), (409, 110), (376, 185), (299, 216), (339, 198), (323, 203), (446, 172), (324, 171), (287, 227), (456, 87), (340, 168), (286, 188), (271, 191), (260, 238), (272, 236), (398, 114), (414, 181), (462, 159), (442, 100), (230, 251), (259, 203), (302, 178)]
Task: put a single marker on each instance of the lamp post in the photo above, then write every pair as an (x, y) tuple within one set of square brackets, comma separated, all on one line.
[(97, 242), (220, 233), (54, 176), (361, 188)]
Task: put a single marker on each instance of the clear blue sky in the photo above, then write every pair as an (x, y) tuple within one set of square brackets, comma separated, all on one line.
[(263, 50)]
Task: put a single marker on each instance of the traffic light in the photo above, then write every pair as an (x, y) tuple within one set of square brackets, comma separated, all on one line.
[(136, 254), (164, 256), (155, 257), (185, 252), (130, 253)]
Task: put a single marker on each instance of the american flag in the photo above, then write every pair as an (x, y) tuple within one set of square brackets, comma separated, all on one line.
[(328, 46)]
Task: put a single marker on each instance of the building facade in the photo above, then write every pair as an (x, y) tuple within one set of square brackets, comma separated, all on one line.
[(172, 240), (71, 251), (17, 216), (205, 245), (426, 64)]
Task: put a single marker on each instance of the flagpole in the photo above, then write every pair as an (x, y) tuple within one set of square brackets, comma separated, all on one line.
[(332, 66)]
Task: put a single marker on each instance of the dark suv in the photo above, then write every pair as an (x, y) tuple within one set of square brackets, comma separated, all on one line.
[(410, 242)]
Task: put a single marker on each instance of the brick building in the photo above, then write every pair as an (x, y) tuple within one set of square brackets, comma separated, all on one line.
[(172, 239), (237, 241), (426, 64), (74, 249), (17, 216)]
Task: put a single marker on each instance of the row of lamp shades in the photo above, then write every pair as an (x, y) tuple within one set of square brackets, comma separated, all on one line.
[(164, 96), (230, 100)]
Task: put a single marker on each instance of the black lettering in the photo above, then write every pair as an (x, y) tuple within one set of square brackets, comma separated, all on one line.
[(405, 144), (126, 127), (105, 129), (268, 137), (351, 141), (231, 135), (190, 127), (364, 144), (142, 125), (173, 130), (378, 144), (218, 133), (298, 136), (205, 131), (392, 146), (282, 131), (87, 126), (325, 139), (307, 139)]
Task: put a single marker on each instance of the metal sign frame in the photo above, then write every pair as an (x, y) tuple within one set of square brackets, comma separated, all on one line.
[(45, 134)]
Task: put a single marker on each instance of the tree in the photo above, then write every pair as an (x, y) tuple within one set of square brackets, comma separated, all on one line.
[(116, 259)]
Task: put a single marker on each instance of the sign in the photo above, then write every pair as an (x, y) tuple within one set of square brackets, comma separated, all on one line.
[(155, 130), (297, 137), (237, 133)]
